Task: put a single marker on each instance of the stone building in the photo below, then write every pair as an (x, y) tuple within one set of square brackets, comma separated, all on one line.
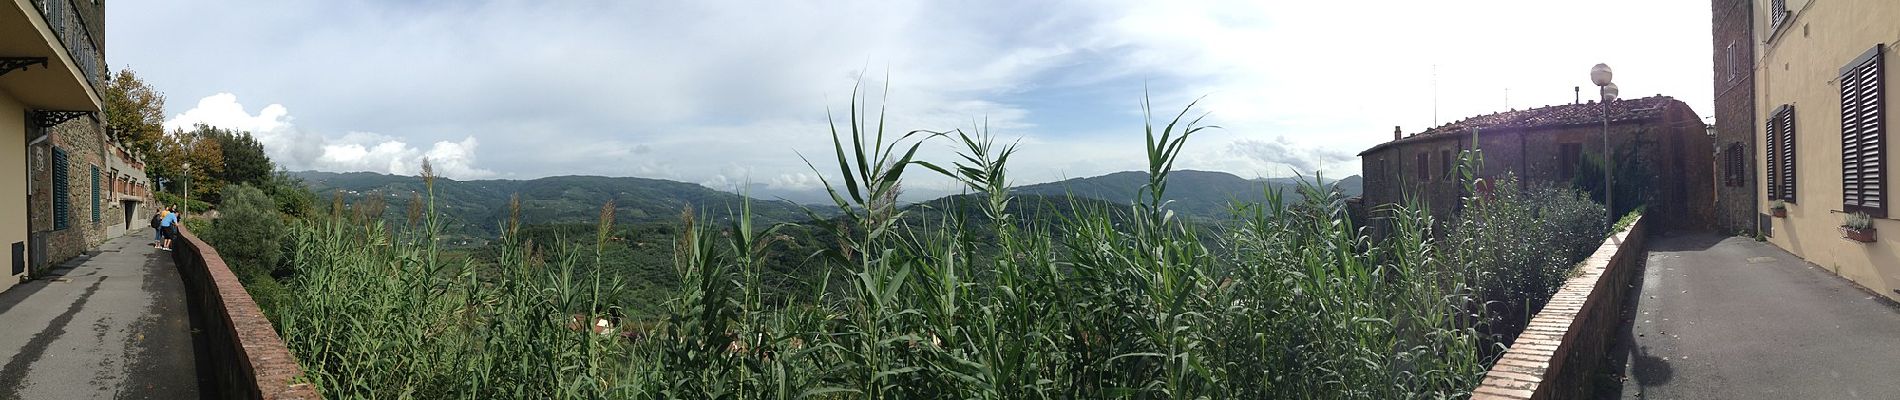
[(52, 68), (86, 189), (1818, 120), (1548, 144), (1735, 199)]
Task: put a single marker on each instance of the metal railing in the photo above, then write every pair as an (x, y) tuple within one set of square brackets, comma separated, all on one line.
[(70, 27)]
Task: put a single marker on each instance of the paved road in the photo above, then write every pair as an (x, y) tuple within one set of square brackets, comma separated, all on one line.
[(1732, 318), (110, 326)]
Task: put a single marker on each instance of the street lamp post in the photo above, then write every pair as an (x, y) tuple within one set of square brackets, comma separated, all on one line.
[(1600, 75), (187, 192)]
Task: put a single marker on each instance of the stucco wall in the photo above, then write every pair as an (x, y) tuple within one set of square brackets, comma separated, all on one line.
[(13, 183), (1800, 64)]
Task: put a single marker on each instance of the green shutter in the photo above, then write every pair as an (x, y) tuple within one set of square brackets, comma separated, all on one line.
[(62, 192), (95, 194)]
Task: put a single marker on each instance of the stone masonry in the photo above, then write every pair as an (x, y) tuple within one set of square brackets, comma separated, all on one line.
[(1734, 83), (89, 155)]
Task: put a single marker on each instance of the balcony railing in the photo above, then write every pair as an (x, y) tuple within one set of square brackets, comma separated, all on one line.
[(72, 31)]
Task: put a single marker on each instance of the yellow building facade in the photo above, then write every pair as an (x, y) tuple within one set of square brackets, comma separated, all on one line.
[(1818, 61), (50, 68)]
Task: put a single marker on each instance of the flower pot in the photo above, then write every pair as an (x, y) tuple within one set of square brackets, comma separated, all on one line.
[(1779, 212), (1859, 235)]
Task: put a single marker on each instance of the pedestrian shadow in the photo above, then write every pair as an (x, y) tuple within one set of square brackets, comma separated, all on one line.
[(1650, 370)]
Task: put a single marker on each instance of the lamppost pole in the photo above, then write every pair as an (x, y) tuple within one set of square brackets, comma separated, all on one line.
[(1600, 75), (181, 213)]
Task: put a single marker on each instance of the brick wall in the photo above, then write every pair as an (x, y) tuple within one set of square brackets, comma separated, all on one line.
[(1734, 84), (1565, 343), (250, 358)]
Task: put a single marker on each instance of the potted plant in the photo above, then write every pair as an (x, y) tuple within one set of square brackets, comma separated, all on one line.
[(1859, 227), (1779, 208)]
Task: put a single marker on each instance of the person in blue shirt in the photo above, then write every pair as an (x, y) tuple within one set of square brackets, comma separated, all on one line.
[(158, 234), (169, 225)]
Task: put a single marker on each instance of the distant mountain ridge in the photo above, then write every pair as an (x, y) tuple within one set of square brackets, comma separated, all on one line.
[(1197, 193), (476, 207)]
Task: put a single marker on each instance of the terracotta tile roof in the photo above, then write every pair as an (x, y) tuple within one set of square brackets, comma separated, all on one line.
[(1557, 115), (1566, 114)]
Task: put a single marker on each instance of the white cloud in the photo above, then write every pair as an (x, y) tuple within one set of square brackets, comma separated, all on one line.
[(292, 148), (683, 90)]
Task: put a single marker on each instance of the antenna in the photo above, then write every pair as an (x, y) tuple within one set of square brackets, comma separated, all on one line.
[(1507, 98), (1434, 94)]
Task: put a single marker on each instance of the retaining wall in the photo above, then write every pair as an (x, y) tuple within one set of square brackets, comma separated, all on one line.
[(248, 357), (1565, 343)]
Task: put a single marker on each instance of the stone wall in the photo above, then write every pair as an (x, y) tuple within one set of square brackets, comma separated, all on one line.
[(85, 145), (1675, 145), (1736, 199), (1565, 344)]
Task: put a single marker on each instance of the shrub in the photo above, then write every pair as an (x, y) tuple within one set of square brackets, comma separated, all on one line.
[(1523, 243), (248, 233), (194, 206)]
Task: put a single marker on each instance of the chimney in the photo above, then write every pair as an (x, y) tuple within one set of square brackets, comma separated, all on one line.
[(1579, 92), (1396, 132)]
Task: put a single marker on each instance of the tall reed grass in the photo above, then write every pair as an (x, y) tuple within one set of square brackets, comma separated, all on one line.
[(1294, 301)]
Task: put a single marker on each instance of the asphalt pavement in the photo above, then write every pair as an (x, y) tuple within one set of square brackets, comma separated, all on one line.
[(112, 324), (1732, 318)]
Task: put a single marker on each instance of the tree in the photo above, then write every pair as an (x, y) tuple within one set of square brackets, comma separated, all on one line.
[(244, 159), (135, 113)]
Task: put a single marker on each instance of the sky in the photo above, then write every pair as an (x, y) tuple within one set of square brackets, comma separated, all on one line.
[(725, 93)]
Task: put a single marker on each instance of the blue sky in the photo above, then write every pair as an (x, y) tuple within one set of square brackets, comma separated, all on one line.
[(724, 92)]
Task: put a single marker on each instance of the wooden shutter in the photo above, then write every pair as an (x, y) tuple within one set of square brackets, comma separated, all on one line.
[(1425, 166), (1785, 127), (1778, 12), (95, 194), (1863, 128), (1773, 151), (1444, 159), (62, 191)]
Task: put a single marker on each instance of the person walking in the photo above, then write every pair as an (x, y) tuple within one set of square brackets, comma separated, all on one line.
[(158, 232), (168, 228)]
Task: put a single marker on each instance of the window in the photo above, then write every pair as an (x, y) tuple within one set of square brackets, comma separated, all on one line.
[(1781, 154), (1444, 158), (1863, 131), (62, 192), (1728, 59), (1777, 13), (1424, 166), (1569, 156), (1734, 165), (95, 194)]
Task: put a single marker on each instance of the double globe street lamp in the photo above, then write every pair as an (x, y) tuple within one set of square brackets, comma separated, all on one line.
[(1600, 75)]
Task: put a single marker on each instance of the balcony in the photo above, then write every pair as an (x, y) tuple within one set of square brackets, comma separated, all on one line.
[(49, 59)]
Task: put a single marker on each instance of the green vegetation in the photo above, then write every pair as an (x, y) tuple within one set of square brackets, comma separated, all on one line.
[(987, 295), (194, 206), (249, 235), (1203, 195), (473, 211)]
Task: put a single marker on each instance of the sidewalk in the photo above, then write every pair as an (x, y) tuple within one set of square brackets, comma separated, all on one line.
[(1731, 318), (111, 324)]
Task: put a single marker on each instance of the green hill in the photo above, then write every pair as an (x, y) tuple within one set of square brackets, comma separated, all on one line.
[(477, 207), (1201, 194)]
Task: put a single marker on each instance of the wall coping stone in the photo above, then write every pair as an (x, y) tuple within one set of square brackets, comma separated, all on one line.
[(272, 370), (1561, 346)]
